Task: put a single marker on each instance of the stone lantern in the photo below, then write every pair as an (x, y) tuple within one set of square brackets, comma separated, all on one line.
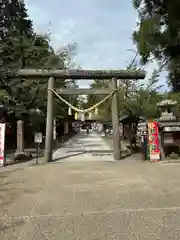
[(169, 128)]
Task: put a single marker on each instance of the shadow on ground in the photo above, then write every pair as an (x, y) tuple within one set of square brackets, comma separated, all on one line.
[(98, 153)]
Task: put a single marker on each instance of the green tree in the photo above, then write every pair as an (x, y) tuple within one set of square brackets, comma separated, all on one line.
[(105, 108), (21, 47), (134, 98), (158, 35)]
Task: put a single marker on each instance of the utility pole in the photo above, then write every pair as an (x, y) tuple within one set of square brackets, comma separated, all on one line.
[(49, 122), (115, 121)]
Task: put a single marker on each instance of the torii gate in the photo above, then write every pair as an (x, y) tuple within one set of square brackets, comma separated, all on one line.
[(76, 75)]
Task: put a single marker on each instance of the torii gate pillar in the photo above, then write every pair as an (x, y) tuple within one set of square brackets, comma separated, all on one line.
[(49, 122), (115, 121)]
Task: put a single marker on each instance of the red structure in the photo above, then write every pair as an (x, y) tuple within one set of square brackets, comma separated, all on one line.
[(153, 141)]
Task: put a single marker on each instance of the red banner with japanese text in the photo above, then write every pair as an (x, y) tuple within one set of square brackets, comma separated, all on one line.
[(153, 141), (2, 144)]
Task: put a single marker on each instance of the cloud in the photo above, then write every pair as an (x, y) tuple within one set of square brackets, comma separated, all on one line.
[(102, 29)]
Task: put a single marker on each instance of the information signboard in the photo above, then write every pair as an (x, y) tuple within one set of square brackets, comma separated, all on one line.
[(38, 137)]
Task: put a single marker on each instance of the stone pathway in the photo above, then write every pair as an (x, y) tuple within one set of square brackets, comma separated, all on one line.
[(88, 197), (98, 200), (85, 147)]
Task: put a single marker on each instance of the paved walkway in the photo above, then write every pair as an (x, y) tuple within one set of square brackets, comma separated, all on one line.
[(85, 147), (90, 200)]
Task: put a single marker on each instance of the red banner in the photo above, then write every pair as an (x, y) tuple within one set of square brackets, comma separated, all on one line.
[(2, 144), (153, 141)]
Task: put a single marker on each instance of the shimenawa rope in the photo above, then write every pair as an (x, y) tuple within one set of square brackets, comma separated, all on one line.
[(82, 110)]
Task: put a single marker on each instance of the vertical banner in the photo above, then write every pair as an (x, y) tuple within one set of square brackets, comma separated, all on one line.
[(153, 141), (2, 144)]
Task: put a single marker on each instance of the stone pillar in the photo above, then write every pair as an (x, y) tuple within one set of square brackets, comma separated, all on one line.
[(115, 122), (20, 136), (49, 122)]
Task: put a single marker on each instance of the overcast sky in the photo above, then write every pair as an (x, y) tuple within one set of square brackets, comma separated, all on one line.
[(101, 29)]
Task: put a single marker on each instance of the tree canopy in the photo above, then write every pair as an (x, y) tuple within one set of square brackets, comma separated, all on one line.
[(158, 35), (22, 47), (136, 99)]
